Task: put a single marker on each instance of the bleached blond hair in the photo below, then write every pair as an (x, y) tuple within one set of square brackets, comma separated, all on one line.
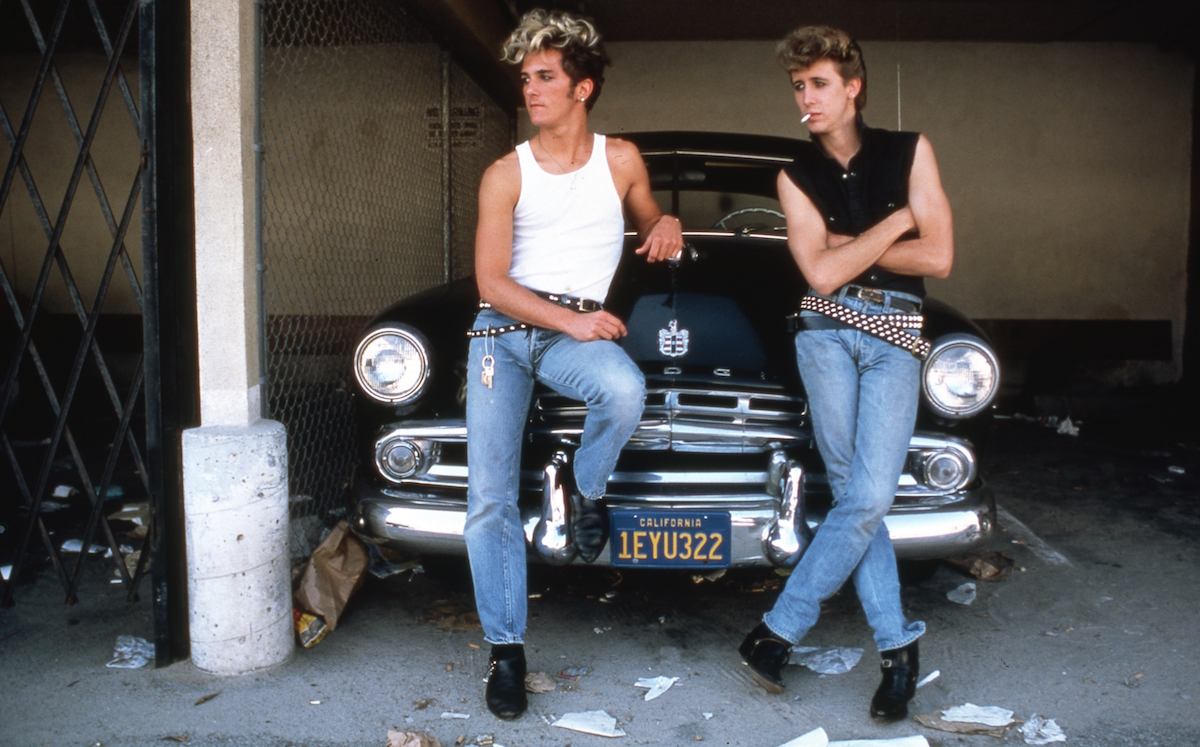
[(808, 45), (583, 55)]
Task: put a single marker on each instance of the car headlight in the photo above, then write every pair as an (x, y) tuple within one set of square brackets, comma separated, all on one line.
[(961, 376), (391, 364)]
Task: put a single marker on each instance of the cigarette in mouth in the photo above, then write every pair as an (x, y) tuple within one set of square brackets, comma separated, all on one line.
[(804, 118)]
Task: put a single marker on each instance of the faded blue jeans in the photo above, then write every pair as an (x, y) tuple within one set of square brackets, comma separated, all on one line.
[(598, 373), (862, 393)]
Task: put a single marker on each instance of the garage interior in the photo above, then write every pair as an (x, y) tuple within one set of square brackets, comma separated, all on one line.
[(1066, 135)]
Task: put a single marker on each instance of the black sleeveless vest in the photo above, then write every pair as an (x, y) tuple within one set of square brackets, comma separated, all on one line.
[(853, 199)]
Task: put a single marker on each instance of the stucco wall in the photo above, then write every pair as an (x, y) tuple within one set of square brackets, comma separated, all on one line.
[(1067, 165), (51, 152)]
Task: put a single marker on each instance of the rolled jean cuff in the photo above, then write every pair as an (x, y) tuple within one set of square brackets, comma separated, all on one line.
[(514, 640), (912, 631)]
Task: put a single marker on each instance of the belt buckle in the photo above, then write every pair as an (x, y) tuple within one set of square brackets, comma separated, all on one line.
[(874, 295)]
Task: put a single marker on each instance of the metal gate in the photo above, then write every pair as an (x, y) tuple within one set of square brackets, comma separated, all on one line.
[(373, 143), (81, 421)]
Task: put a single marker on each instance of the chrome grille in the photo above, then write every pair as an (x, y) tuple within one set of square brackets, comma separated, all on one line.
[(693, 420)]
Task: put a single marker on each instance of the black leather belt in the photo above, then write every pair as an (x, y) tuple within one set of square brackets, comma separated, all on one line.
[(582, 305), (876, 295)]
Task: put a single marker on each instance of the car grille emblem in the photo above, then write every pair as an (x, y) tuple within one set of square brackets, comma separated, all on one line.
[(672, 341)]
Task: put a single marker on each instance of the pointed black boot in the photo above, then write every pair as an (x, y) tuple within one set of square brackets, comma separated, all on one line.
[(900, 667), (589, 527), (766, 654), (506, 681)]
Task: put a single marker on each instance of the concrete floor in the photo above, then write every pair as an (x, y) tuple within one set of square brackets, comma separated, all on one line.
[(1095, 626)]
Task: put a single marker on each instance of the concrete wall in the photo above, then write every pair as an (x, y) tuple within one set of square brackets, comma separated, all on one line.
[(1067, 165)]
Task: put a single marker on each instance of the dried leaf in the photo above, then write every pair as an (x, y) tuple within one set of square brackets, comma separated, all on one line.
[(176, 738), (985, 566), (539, 682), (207, 698)]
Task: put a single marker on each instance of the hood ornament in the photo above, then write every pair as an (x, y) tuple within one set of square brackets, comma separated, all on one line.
[(672, 341)]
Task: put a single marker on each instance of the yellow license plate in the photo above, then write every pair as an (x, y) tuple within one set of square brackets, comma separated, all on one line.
[(669, 539)]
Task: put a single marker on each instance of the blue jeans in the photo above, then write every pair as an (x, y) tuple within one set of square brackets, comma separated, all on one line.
[(862, 393), (601, 375)]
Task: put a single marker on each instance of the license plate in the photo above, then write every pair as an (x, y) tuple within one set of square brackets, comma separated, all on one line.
[(669, 539)]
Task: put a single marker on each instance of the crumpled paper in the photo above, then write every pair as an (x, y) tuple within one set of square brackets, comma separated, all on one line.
[(591, 722), (964, 594), (657, 685), (411, 739), (973, 714), (828, 660), (539, 682), (1038, 730), (131, 653)]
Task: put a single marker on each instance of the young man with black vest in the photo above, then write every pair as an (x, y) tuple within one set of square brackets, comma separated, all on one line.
[(551, 229), (867, 220)]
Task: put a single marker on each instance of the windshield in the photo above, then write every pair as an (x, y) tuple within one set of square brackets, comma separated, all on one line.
[(710, 191)]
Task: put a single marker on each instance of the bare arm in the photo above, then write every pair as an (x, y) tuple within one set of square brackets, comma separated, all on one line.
[(661, 234), (498, 195), (829, 264), (931, 254)]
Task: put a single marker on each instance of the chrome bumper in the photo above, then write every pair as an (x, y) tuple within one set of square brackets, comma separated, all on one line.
[(431, 523)]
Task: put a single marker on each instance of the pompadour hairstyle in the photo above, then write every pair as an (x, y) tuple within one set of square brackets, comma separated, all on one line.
[(583, 54), (808, 45)]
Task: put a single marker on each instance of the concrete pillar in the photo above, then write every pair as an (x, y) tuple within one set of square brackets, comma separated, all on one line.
[(235, 463), (239, 580)]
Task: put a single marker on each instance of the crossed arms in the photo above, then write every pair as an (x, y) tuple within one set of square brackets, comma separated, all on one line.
[(829, 261)]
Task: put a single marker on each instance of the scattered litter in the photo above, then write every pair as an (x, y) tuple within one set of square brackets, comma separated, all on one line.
[(114, 492), (451, 714), (608, 596), (131, 653), (986, 715), (206, 698), (310, 629), (63, 491), (334, 571), (970, 719), (912, 741), (76, 545), (964, 594), (1176, 470), (1038, 730), (700, 578), (1067, 428), (383, 567), (180, 738), (707, 716), (455, 617), (49, 507), (827, 660), (598, 631), (314, 702), (929, 678), (138, 513), (590, 722), (983, 565), (572, 674), (539, 682), (657, 685), (411, 739), (1135, 681), (815, 738), (5, 571)]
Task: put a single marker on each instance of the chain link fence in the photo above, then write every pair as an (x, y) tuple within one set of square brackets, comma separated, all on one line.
[(362, 203)]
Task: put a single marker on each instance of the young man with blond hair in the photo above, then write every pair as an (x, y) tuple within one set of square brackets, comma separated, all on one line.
[(867, 220), (551, 228)]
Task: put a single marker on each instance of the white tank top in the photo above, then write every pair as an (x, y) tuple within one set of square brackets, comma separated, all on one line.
[(568, 229)]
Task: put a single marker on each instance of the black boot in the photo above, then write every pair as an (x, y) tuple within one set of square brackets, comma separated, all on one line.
[(766, 654), (589, 527), (900, 667), (506, 681)]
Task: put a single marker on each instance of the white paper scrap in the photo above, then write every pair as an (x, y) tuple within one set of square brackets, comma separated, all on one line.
[(913, 741), (5, 571), (591, 722), (1038, 730), (657, 685), (964, 594), (969, 713), (451, 714), (929, 678), (64, 491), (131, 652), (76, 545), (815, 738), (830, 660)]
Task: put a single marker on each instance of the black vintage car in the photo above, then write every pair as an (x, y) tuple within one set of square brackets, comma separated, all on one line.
[(723, 470)]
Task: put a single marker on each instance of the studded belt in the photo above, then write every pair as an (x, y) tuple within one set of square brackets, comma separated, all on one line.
[(892, 328)]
